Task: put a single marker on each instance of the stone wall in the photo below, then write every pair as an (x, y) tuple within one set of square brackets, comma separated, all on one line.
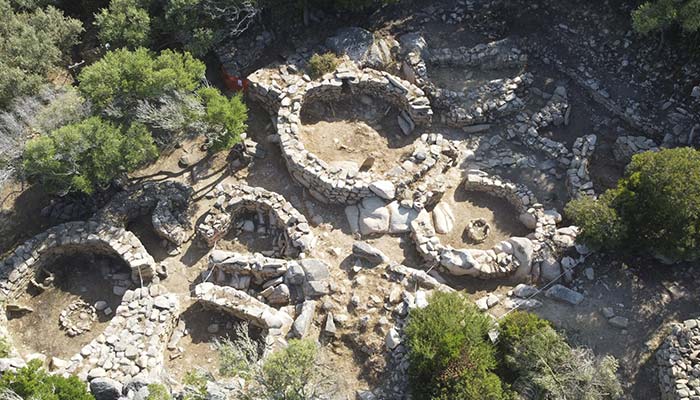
[(500, 54), (134, 342), (289, 227), (578, 180), (72, 237), (284, 95), (627, 146), (678, 365), (517, 256)]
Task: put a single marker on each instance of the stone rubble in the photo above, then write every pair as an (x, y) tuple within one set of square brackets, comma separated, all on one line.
[(678, 364)]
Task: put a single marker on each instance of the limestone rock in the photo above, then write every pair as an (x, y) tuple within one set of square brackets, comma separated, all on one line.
[(564, 294), (383, 189), (374, 216), (105, 389), (443, 218), (368, 252)]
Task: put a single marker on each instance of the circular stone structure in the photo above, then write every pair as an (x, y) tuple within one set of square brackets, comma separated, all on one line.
[(513, 257), (293, 235), (332, 184)]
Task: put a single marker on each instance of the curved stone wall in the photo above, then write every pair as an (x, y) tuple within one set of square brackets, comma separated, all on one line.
[(338, 185), (293, 235), (69, 238), (678, 365), (513, 257)]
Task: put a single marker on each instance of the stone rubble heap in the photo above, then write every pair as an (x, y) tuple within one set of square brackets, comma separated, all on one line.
[(243, 306), (289, 227), (133, 343), (578, 179), (678, 362), (77, 318), (500, 54), (284, 93), (516, 256), (167, 202), (282, 281), (27, 259), (627, 146)]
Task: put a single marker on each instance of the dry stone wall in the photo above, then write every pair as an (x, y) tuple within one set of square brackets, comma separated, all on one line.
[(578, 180), (290, 228), (678, 364), (627, 146)]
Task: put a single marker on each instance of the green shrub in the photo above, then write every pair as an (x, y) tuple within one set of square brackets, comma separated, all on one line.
[(157, 391), (86, 156), (238, 356), (659, 15), (195, 385), (226, 118), (322, 64), (449, 354), (31, 44), (5, 348), (655, 207), (290, 374), (32, 382), (542, 361), (123, 77), (125, 23)]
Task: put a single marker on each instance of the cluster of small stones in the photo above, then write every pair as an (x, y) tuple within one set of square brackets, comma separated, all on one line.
[(627, 146), (291, 229), (276, 323), (515, 256), (167, 202), (487, 103), (281, 282), (578, 180), (678, 362), (284, 95), (77, 318), (86, 237), (133, 343), (527, 127)]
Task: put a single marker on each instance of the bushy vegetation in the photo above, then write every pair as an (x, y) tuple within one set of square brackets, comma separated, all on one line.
[(545, 364), (195, 383), (226, 118), (33, 382), (450, 355), (238, 357), (86, 156), (125, 23), (320, 64), (658, 15), (5, 348), (157, 391), (289, 374), (655, 207), (32, 43)]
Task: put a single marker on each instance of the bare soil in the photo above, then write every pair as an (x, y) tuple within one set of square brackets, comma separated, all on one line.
[(76, 278), (353, 129)]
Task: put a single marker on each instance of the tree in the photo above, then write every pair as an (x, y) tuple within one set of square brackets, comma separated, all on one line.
[(226, 118), (86, 156), (659, 15), (545, 364), (123, 77), (32, 382), (31, 44), (290, 374), (601, 226), (125, 23), (449, 354), (655, 206)]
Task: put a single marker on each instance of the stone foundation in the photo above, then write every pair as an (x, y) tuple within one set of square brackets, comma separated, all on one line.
[(678, 365), (578, 180)]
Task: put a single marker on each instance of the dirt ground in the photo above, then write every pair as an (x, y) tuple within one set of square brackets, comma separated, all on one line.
[(353, 129), (76, 278)]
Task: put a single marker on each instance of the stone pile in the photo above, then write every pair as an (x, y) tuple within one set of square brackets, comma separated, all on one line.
[(241, 305), (678, 364), (527, 127), (289, 227), (280, 282), (77, 318), (516, 256), (627, 146), (284, 94), (133, 343), (578, 180), (500, 54), (72, 237), (168, 203)]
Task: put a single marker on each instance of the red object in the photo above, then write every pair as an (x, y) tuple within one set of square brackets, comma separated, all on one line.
[(233, 82)]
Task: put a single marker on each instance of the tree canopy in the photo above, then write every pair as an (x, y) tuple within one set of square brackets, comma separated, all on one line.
[(658, 15), (125, 23)]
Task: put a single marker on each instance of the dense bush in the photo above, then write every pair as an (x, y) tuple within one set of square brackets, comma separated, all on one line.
[(125, 23), (655, 206), (5, 348), (290, 374), (659, 15), (195, 383), (545, 364), (449, 353), (158, 392), (237, 357), (124, 77), (322, 64), (31, 44), (225, 117), (32, 382), (86, 156)]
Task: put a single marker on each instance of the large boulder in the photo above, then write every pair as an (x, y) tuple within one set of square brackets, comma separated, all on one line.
[(368, 252), (105, 389), (443, 218), (459, 262), (400, 217), (374, 216), (564, 294), (361, 46)]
